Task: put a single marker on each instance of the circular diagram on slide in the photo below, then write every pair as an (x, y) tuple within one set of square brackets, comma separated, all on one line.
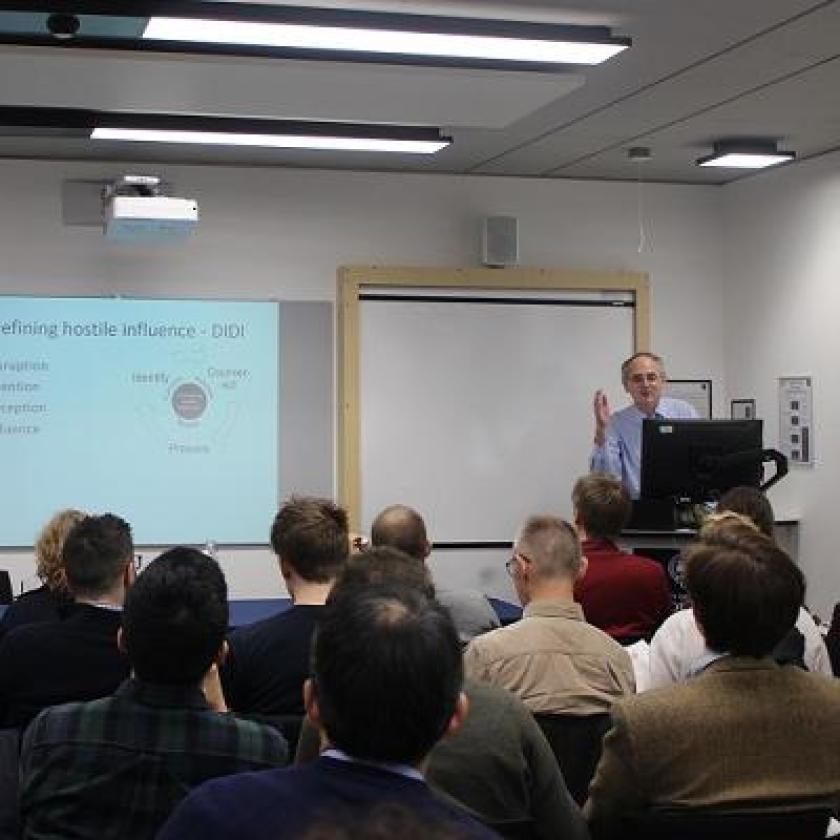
[(189, 400)]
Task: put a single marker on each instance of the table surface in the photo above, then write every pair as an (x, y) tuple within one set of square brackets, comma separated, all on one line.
[(249, 610)]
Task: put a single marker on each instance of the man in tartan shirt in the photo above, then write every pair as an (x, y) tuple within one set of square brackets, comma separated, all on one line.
[(116, 767)]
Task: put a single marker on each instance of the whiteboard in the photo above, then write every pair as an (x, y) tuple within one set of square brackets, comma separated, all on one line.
[(478, 412)]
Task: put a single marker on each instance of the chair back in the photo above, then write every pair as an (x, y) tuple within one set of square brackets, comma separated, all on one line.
[(514, 829), (6, 596), (691, 824), (9, 769), (576, 743)]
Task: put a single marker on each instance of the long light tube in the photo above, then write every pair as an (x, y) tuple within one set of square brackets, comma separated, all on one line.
[(276, 141), (379, 41)]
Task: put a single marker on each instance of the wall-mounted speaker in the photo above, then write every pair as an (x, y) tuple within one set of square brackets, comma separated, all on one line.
[(500, 241)]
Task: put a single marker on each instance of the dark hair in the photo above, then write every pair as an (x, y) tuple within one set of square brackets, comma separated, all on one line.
[(311, 535), (603, 505), (95, 554), (745, 590), (175, 617), (400, 527), (388, 671), (386, 566), (750, 502)]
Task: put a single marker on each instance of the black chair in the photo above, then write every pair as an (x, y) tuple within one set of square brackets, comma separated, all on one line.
[(832, 641), (576, 743), (514, 829), (6, 596), (9, 768), (693, 824)]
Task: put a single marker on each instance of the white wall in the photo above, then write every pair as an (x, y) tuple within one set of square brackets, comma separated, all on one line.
[(282, 233), (782, 301)]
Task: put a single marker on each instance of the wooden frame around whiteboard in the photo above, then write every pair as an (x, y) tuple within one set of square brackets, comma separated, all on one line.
[(352, 281)]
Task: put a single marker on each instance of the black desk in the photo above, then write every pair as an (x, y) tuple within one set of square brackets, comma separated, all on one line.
[(255, 609), (249, 610)]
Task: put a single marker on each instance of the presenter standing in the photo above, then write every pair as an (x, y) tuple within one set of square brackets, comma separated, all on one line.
[(618, 436)]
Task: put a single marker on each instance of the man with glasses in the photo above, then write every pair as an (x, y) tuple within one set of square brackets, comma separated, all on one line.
[(618, 436), (554, 661)]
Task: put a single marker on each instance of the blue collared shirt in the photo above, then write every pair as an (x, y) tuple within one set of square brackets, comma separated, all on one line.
[(621, 452)]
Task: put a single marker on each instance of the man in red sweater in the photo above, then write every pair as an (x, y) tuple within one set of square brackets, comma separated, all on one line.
[(626, 596)]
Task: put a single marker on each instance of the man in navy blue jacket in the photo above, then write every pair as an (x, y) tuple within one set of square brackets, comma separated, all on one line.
[(386, 687)]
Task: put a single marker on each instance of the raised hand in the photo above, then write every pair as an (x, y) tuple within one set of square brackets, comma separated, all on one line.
[(601, 409)]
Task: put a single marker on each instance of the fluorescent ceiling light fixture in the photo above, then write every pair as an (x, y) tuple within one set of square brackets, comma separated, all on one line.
[(398, 41), (320, 140), (746, 155)]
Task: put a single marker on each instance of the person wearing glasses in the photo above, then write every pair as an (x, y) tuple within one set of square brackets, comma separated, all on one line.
[(618, 435), (554, 661)]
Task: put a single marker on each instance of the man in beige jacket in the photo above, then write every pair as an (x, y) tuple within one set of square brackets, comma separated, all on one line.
[(554, 661)]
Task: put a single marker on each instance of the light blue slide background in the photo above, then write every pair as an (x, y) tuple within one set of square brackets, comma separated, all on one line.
[(109, 441)]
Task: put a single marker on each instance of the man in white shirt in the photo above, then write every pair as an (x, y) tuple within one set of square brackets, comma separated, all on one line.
[(678, 650)]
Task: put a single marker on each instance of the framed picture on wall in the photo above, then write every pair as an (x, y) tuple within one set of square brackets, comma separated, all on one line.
[(696, 392), (742, 409)]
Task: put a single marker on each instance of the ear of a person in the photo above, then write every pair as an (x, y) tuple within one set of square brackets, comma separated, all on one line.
[(222, 655), (459, 715), (310, 703), (584, 565)]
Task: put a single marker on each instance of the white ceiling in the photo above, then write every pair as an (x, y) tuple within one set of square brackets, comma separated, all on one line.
[(697, 71)]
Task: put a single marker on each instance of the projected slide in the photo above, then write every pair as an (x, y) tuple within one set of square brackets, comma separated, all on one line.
[(162, 411)]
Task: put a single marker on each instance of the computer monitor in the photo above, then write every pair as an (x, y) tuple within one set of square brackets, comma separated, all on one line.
[(699, 460)]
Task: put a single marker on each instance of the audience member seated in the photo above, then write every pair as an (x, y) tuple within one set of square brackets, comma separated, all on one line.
[(386, 687), (268, 661), (678, 651), (747, 734), (624, 595), (803, 645), (116, 767), (402, 528), (47, 602), (498, 764), (551, 659), (76, 658)]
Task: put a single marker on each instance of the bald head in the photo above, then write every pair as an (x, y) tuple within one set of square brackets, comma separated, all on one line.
[(401, 527)]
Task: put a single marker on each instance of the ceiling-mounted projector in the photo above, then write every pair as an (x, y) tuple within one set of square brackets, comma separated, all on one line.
[(133, 210)]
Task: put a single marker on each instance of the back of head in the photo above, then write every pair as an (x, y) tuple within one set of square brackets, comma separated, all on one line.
[(752, 503), (312, 536), (175, 617), (49, 545), (386, 566), (552, 546), (388, 672), (602, 505), (746, 592), (95, 555), (402, 528)]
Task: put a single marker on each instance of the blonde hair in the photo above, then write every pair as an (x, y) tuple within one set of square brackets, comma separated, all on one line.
[(49, 565), (725, 522)]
